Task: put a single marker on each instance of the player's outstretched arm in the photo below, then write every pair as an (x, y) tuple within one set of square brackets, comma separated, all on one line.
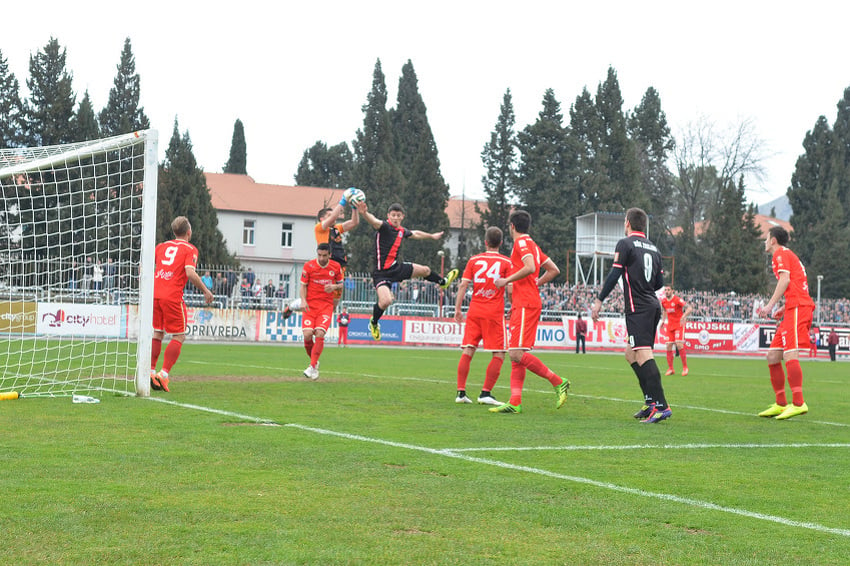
[(366, 215), (420, 235)]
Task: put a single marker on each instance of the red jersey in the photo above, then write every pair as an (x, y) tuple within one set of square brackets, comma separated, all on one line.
[(172, 258), (675, 309), (315, 277), (797, 293), (525, 291), (482, 270)]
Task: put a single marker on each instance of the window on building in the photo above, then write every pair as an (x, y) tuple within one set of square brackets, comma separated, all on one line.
[(286, 235), (248, 232)]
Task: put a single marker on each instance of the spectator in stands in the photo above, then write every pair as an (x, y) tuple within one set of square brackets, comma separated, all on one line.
[(207, 279), (97, 276)]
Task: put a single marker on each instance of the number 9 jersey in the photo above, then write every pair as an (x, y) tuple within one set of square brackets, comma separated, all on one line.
[(642, 273), (172, 258)]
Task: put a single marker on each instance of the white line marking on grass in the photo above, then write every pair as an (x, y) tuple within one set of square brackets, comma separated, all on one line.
[(585, 481), (650, 447), (239, 416)]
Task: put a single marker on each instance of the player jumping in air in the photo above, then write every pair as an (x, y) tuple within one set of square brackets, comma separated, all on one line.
[(389, 269)]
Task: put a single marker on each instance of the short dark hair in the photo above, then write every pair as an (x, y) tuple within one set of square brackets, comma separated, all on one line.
[(180, 226), (638, 219), (321, 214), (493, 237), (780, 233), (324, 246), (396, 207), (520, 220)]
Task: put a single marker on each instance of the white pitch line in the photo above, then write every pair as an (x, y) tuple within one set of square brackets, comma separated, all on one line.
[(650, 447), (586, 481)]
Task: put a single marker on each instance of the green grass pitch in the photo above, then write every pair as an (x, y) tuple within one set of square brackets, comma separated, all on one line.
[(248, 462)]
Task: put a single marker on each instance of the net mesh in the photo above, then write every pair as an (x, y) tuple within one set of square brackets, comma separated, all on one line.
[(70, 245)]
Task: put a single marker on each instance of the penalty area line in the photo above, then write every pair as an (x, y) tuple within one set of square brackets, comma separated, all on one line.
[(585, 481)]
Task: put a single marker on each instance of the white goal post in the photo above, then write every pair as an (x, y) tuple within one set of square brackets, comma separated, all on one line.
[(77, 237)]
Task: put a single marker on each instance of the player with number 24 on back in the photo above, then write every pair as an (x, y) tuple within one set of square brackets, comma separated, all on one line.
[(176, 262)]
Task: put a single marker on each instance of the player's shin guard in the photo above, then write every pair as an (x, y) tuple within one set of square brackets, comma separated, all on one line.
[(308, 345), (377, 313), (318, 346), (156, 348), (533, 364), (670, 358), (642, 383), (492, 375), (517, 381), (463, 371), (652, 378), (777, 381), (795, 381), (172, 352)]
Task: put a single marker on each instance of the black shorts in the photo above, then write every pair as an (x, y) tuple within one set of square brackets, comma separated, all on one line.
[(641, 327), (396, 274)]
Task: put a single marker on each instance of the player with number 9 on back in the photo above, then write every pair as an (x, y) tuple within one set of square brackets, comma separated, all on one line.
[(176, 262)]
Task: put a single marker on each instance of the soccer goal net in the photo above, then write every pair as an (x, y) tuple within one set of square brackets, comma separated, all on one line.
[(77, 233)]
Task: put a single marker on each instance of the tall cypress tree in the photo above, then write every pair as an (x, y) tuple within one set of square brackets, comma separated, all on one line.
[(622, 188), (810, 182), (542, 183), (323, 166), (424, 193), (735, 259), (12, 114), (183, 191), (653, 141), (500, 163), (375, 170), (122, 113), (51, 103), (84, 124), (238, 161)]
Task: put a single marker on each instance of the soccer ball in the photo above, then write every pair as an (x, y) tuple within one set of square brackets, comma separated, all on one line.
[(296, 305), (354, 195)]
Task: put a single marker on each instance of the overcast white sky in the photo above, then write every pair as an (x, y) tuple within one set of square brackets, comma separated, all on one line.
[(298, 72)]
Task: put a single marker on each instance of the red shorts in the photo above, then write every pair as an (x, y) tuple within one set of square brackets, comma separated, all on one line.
[(523, 327), (792, 333), (318, 318), (490, 330), (674, 334), (169, 316)]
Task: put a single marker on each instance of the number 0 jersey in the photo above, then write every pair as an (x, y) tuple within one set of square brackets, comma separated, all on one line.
[(170, 277), (482, 270)]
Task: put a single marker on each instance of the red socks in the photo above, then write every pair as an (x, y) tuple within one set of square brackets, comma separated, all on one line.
[(156, 348), (316, 350), (670, 359), (172, 352), (492, 375), (308, 345), (777, 380), (795, 381), (463, 371)]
